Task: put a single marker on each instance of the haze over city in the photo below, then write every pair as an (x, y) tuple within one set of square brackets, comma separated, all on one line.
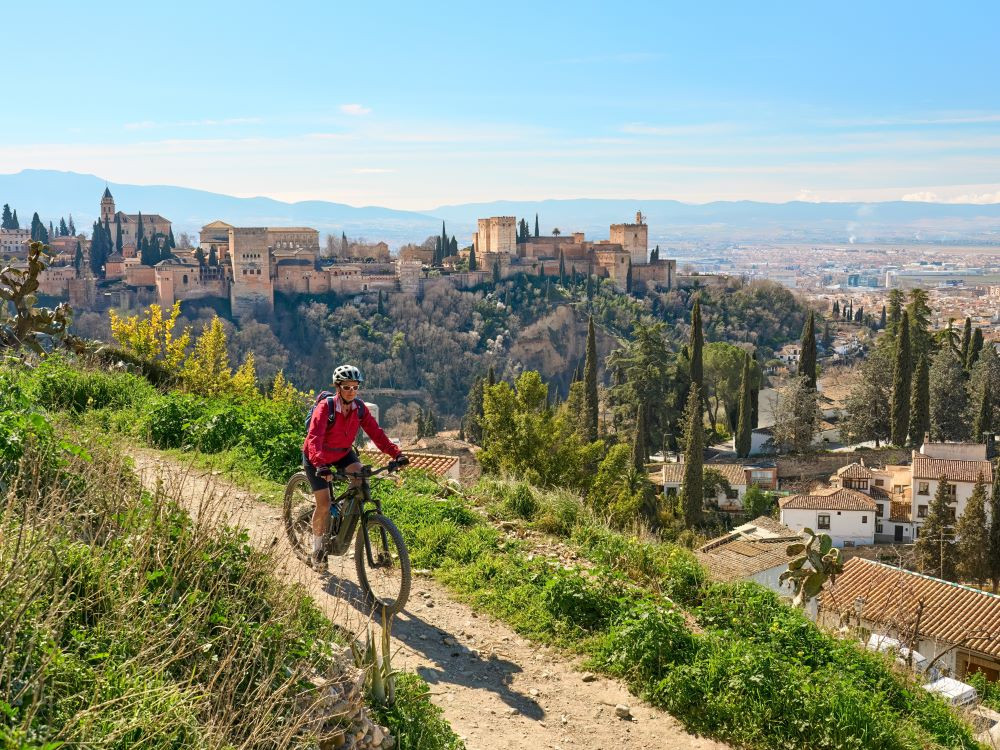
[(413, 107)]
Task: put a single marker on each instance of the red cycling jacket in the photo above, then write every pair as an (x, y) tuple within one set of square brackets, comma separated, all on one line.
[(328, 441)]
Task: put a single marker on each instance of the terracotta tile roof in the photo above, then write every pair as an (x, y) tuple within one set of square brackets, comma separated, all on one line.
[(890, 595), (954, 471), (431, 462), (768, 525), (854, 471), (742, 558), (900, 510), (734, 473), (834, 498), (879, 493)]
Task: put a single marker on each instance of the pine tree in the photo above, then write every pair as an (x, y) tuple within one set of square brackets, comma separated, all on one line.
[(743, 428), (920, 403), (63, 229), (963, 352), (473, 265), (640, 451), (7, 222), (900, 401), (695, 346), (984, 416), (693, 492), (974, 537), (975, 348), (52, 231), (590, 383), (935, 548), (171, 245), (807, 356), (994, 538), (38, 232), (72, 228), (536, 225)]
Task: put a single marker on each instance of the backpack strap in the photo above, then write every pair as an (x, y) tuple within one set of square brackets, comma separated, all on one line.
[(333, 409)]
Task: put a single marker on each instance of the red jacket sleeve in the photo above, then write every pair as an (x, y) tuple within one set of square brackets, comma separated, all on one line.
[(381, 440), (317, 434)]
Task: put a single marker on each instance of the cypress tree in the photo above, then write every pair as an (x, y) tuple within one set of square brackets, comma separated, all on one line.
[(807, 357), (473, 265), (213, 257), (496, 271), (380, 308), (590, 287), (15, 224), (963, 352), (994, 539), (72, 229), (975, 349), (52, 231), (984, 417), (743, 428), (590, 383), (491, 378), (63, 229), (140, 233), (639, 450), (562, 268), (901, 376), (882, 319), (171, 245), (7, 222), (693, 490), (536, 225), (836, 309), (695, 347), (78, 258), (38, 233), (974, 537), (118, 233), (920, 402), (628, 278)]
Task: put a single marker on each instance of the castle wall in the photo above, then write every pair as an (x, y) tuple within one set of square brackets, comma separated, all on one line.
[(634, 238), (251, 262)]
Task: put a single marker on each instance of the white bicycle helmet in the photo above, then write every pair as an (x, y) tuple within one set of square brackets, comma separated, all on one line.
[(347, 372)]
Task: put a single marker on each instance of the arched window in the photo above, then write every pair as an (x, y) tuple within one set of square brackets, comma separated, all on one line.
[(185, 278)]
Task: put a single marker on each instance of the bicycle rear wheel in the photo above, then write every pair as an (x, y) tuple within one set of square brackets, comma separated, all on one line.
[(385, 575), (298, 512)]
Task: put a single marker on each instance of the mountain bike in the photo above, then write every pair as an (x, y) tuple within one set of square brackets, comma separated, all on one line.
[(380, 555)]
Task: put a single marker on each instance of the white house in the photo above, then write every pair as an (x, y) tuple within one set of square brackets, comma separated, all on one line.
[(671, 478), (761, 441), (846, 515), (789, 353), (961, 465), (889, 487), (959, 623), (755, 551)]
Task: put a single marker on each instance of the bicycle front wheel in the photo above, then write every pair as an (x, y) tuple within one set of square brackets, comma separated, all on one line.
[(383, 564), (298, 512)]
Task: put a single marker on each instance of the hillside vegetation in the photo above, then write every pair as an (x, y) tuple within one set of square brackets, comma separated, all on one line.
[(730, 661)]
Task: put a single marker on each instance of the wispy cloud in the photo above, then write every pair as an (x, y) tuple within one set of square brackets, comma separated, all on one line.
[(930, 196), (705, 128), (373, 170), (944, 119), (355, 110), (207, 123)]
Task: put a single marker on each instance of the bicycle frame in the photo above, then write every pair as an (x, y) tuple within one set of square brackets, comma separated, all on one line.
[(357, 502)]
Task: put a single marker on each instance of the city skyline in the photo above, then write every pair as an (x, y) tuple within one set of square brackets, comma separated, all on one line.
[(414, 109)]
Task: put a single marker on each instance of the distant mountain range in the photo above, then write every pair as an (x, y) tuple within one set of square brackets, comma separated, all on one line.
[(54, 194)]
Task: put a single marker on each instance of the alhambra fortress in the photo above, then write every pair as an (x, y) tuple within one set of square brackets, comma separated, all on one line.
[(248, 265)]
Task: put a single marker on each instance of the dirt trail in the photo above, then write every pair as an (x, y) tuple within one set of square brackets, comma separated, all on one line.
[(497, 689)]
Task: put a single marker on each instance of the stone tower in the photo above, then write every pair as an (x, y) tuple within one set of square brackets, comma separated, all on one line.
[(107, 207), (634, 239)]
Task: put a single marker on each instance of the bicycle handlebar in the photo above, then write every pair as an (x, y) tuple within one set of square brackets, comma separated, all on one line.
[(367, 472)]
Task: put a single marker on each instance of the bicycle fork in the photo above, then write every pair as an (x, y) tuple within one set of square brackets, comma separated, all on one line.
[(368, 546)]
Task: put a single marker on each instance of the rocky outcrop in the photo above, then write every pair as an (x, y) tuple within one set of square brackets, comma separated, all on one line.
[(337, 713)]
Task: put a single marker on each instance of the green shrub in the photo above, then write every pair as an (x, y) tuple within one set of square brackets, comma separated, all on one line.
[(58, 384), (519, 502), (646, 643), (585, 603), (415, 722), (559, 512)]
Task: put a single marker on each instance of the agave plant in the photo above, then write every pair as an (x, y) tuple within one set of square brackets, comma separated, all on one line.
[(376, 659), (818, 561)]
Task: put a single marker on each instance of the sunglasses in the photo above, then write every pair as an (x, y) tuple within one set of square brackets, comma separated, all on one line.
[(348, 387)]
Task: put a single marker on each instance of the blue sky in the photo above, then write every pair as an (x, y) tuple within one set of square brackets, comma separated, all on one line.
[(417, 105)]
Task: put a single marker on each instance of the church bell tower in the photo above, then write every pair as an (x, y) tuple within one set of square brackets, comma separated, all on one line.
[(107, 207)]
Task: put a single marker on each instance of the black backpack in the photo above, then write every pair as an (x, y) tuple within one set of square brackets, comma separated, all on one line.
[(328, 395)]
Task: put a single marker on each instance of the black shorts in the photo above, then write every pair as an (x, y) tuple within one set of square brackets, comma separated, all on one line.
[(317, 482)]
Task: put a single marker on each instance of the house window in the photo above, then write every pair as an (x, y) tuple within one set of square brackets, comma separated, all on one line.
[(864, 519), (923, 488), (949, 490), (823, 521), (921, 511), (879, 511), (671, 492), (951, 514), (879, 482), (878, 527)]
